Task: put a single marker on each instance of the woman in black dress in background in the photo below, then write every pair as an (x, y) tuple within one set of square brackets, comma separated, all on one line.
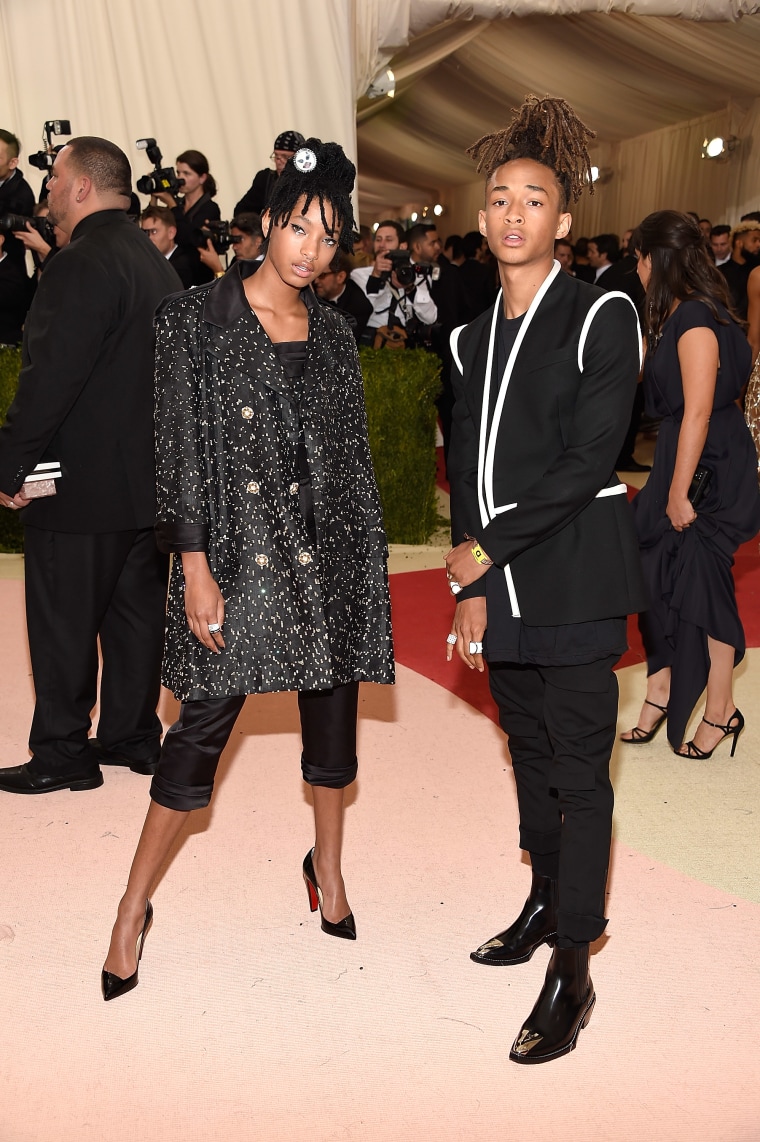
[(697, 363)]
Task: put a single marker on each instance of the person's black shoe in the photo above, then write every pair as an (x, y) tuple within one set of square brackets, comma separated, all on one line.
[(105, 756), (536, 925), (632, 466), (562, 1009), (21, 779)]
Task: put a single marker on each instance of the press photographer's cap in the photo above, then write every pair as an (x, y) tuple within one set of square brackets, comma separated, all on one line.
[(289, 141)]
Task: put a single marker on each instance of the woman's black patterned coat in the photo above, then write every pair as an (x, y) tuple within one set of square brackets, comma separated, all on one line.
[(298, 616)]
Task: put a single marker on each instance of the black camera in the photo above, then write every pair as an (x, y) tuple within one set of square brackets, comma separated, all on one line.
[(43, 160), (161, 180), (402, 267), (219, 233), (407, 271), (44, 227)]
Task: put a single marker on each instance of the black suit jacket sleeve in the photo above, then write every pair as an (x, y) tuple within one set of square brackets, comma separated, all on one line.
[(61, 350), (462, 468), (602, 413)]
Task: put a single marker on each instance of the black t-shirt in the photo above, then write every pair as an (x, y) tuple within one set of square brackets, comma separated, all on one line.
[(509, 639)]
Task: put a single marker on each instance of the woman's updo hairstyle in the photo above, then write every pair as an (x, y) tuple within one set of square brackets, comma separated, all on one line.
[(198, 162), (322, 171), (681, 269)]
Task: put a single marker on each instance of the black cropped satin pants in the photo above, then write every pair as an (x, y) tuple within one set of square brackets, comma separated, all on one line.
[(192, 747)]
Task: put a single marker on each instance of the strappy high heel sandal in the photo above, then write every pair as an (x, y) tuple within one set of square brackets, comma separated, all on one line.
[(639, 736), (729, 731)]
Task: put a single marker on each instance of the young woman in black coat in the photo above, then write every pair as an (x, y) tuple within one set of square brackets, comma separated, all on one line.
[(267, 498)]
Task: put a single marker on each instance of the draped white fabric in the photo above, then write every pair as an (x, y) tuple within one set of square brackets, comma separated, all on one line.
[(227, 77), (652, 86), (224, 77)]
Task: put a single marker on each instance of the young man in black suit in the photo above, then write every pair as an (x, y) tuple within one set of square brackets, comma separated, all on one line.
[(85, 399), (545, 565)]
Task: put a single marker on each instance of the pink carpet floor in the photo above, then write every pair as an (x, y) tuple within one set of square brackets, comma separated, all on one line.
[(251, 1024)]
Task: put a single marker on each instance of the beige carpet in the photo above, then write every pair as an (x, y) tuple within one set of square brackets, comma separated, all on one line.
[(250, 1023)]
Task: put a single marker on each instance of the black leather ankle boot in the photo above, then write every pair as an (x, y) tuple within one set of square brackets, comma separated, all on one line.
[(563, 1007), (536, 925)]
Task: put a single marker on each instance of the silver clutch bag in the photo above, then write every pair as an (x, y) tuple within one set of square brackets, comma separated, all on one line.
[(41, 482)]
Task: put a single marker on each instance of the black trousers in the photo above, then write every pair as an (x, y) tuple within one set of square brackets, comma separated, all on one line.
[(80, 588), (561, 724), (192, 747)]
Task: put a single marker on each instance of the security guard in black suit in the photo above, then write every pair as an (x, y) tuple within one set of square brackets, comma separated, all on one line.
[(85, 399), (545, 565)]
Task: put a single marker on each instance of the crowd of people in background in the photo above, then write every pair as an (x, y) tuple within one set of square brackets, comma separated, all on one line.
[(403, 286)]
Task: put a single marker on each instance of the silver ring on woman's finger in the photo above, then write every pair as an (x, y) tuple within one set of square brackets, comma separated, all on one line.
[(476, 648), (214, 628), (451, 639), (454, 587)]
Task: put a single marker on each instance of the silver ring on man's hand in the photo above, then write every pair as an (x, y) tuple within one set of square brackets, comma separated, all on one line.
[(214, 628), (454, 587), (476, 648), (451, 639)]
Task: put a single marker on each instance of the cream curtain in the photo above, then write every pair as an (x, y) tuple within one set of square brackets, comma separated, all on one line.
[(657, 79), (665, 170), (224, 77)]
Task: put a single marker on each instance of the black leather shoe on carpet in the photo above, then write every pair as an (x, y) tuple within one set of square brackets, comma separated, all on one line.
[(21, 779), (105, 756)]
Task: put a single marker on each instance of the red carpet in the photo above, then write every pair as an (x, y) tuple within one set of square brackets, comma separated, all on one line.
[(422, 610)]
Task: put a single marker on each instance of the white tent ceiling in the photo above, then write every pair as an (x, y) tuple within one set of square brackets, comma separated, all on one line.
[(627, 73)]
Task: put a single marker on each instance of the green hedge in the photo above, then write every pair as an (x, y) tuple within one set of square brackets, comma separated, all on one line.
[(11, 531), (400, 389)]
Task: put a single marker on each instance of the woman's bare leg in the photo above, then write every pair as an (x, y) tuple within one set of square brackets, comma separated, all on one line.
[(719, 702), (161, 828), (328, 821), (658, 691)]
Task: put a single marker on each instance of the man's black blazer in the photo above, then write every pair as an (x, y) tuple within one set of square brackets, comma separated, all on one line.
[(536, 482), (85, 394)]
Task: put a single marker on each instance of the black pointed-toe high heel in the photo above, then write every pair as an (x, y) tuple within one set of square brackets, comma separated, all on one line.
[(345, 929), (114, 985), (639, 736), (729, 731)]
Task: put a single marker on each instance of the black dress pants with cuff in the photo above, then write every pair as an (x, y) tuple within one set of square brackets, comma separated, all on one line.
[(561, 722), (193, 746), (81, 588)]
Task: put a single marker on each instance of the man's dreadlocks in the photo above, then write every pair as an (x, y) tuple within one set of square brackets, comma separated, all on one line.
[(547, 131), (331, 180)]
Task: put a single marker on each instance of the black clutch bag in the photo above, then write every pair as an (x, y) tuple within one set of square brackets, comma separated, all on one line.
[(699, 485)]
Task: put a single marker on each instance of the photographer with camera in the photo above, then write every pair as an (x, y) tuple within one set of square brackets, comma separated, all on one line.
[(194, 210), (38, 235), (243, 234), (397, 288), (16, 195), (159, 224)]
